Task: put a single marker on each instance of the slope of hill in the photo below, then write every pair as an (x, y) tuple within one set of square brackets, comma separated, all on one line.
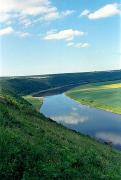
[(34, 147)]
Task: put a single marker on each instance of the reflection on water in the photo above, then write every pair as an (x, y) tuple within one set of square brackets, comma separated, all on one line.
[(111, 137), (72, 118), (100, 124)]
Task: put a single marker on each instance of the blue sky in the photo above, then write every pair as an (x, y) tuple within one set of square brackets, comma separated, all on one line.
[(52, 36)]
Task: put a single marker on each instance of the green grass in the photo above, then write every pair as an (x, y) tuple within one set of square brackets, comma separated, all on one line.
[(100, 95), (35, 101), (33, 147)]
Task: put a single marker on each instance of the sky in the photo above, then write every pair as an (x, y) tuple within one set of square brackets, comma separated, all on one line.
[(59, 36)]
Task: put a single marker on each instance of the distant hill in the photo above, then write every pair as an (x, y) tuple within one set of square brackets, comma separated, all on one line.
[(55, 83)]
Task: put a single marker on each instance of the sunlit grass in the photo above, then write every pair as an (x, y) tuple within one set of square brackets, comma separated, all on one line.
[(106, 96), (104, 87), (35, 101)]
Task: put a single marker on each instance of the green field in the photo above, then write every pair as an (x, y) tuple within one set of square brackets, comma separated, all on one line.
[(35, 101), (106, 96)]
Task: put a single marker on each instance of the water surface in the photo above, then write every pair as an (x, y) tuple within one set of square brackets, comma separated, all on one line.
[(100, 124)]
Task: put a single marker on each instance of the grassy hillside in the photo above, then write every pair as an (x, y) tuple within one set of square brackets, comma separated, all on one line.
[(53, 84), (34, 147), (106, 96)]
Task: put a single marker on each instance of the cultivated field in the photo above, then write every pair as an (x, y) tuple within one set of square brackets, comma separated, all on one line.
[(106, 96)]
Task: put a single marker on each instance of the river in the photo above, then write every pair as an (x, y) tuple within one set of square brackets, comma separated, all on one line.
[(102, 125)]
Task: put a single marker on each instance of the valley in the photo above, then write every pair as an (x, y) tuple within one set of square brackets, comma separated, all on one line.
[(35, 145)]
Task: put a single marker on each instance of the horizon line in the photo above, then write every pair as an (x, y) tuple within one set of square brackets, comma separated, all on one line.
[(29, 75)]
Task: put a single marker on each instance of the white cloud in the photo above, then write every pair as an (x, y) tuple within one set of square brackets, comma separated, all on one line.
[(51, 16), (78, 45), (38, 9), (85, 12), (6, 31), (24, 34), (4, 17), (30, 7), (70, 44), (106, 11), (25, 21), (9, 30), (85, 45), (67, 34), (81, 45), (52, 31), (56, 15), (67, 12)]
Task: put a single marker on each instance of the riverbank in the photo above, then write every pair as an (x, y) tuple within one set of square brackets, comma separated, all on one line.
[(35, 101), (105, 96), (87, 103)]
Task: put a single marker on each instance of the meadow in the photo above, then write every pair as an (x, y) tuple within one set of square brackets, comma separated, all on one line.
[(106, 95), (35, 101)]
